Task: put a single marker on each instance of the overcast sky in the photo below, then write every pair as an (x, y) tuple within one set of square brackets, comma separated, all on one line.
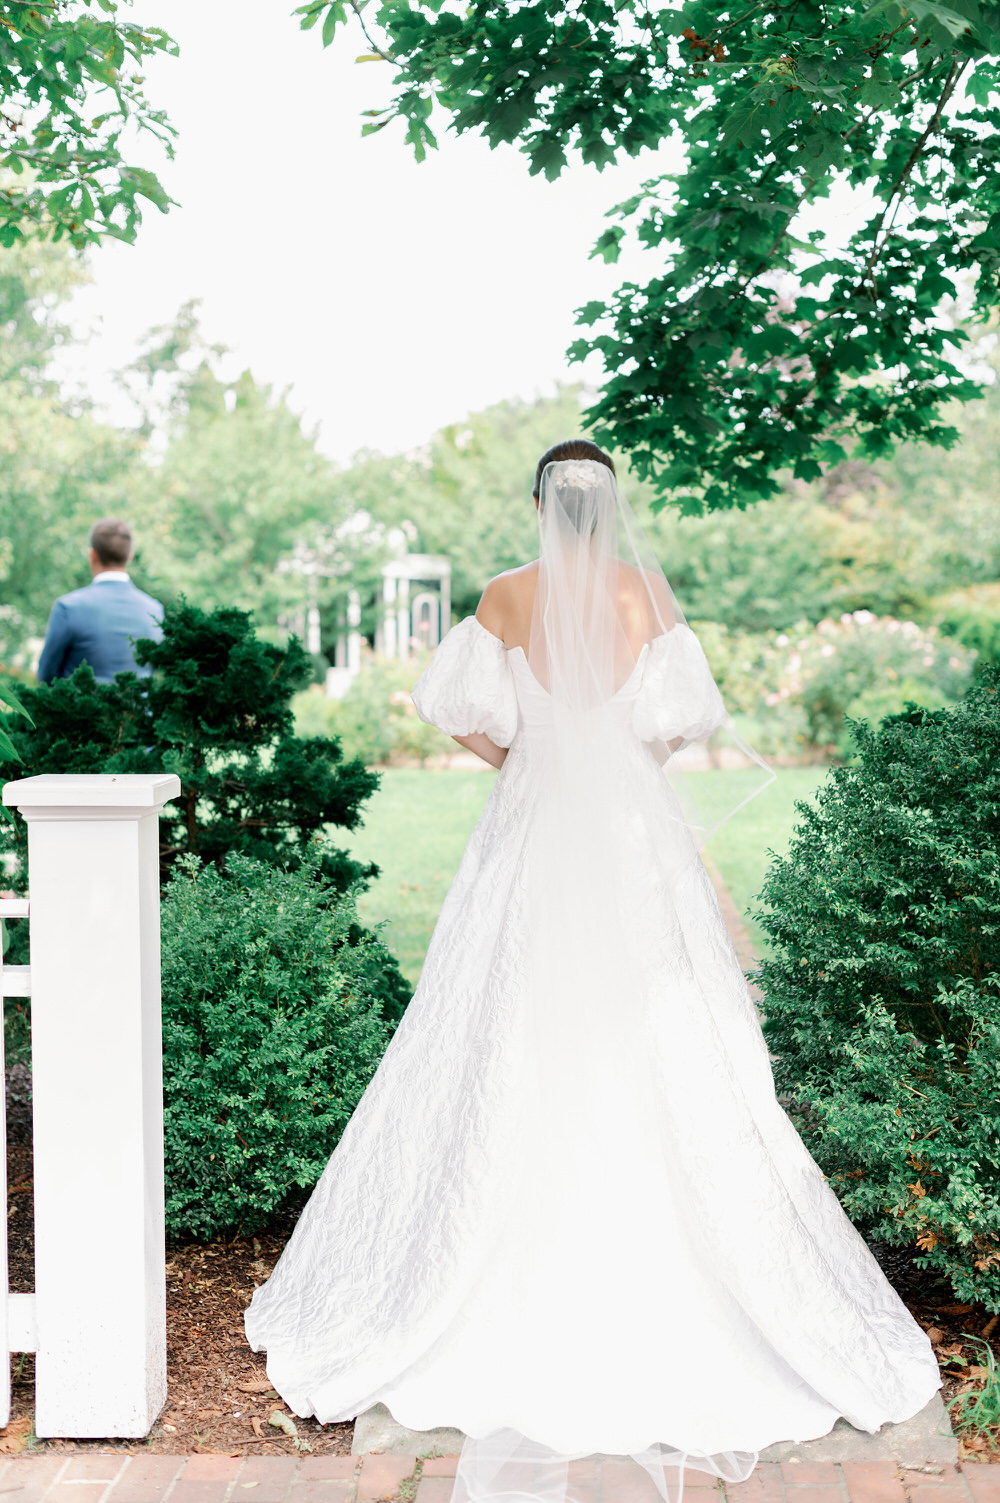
[(390, 297)]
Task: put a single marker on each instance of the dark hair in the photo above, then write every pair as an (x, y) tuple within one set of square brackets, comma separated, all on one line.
[(571, 448), (111, 540)]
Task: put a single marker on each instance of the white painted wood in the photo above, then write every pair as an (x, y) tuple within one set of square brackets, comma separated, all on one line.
[(17, 981), (97, 1100), (13, 908), (22, 1327)]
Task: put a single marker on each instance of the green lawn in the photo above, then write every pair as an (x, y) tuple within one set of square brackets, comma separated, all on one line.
[(416, 828), (742, 848), (418, 822)]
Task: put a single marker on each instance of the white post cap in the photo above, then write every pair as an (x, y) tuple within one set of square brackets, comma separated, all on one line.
[(113, 795)]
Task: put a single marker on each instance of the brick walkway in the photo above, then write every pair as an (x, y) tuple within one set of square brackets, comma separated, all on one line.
[(114, 1478)]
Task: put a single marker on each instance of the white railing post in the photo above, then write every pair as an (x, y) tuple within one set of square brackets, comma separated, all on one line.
[(97, 1100)]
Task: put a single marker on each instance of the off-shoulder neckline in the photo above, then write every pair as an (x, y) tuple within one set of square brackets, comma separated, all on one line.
[(510, 651), (662, 637), (621, 687)]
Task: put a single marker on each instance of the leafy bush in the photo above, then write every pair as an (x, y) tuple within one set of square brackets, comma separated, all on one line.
[(972, 617), (801, 689), (271, 1032), (376, 720), (882, 994), (747, 666), (217, 712), (868, 667)]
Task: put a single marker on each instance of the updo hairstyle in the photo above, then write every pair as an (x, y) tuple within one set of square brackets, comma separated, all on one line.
[(571, 448)]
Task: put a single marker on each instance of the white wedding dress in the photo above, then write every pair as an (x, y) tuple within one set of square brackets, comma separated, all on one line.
[(569, 1207)]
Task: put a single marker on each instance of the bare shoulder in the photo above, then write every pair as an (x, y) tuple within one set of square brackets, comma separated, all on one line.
[(505, 597), (640, 587), (662, 596)]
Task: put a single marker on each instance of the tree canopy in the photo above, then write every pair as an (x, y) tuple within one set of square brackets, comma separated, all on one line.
[(59, 469), (70, 87), (889, 536), (760, 345), (468, 491), (238, 482), (234, 506)]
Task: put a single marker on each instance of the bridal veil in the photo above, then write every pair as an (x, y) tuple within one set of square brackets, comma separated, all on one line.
[(603, 615)]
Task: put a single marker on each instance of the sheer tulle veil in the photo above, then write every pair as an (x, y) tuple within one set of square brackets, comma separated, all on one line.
[(601, 605), (603, 615)]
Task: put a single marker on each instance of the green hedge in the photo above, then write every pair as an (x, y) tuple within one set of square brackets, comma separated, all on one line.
[(882, 992), (271, 1032)]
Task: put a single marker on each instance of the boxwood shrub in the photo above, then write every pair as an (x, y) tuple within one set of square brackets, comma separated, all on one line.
[(882, 988), (271, 1032)]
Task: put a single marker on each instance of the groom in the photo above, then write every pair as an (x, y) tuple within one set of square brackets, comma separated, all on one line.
[(99, 624)]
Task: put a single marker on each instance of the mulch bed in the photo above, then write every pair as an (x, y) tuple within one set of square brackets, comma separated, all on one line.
[(218, 1398), (949, 1323), (216, 1386)]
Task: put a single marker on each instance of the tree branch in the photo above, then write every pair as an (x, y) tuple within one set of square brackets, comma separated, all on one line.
[(954, 74), (387, 57)]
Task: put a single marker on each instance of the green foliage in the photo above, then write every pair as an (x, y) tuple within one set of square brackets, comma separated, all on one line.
[(59, 472), (59, 469), (217, 712), (979, 1410), (972, 616), (882, 991), (863, 543), (71, 86), (469, 491), (759, 345), (9, 702), (376, 719), (240, 481), (800, 690), (271, 1032), (35, 278)]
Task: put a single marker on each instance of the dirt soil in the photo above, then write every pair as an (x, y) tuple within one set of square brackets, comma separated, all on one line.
[(218, 1396), (949, 1323)]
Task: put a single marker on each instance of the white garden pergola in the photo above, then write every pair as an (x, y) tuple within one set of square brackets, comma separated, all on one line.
[(416, 604)]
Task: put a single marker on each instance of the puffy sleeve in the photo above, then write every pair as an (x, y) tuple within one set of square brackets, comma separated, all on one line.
[(678, 697), (468, 685)]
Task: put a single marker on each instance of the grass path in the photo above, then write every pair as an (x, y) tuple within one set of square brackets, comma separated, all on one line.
[(742, 849), (418, 823), (416, 828)]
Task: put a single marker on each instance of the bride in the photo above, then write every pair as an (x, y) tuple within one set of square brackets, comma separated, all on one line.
[(569, 1216)]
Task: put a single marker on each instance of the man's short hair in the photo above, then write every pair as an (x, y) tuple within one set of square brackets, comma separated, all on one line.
[(111, 540)]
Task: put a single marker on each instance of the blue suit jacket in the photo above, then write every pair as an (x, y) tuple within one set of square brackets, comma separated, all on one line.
[(98, 625)]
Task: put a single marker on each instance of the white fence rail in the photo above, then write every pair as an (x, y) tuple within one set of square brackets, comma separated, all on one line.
[(97, 1318)]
